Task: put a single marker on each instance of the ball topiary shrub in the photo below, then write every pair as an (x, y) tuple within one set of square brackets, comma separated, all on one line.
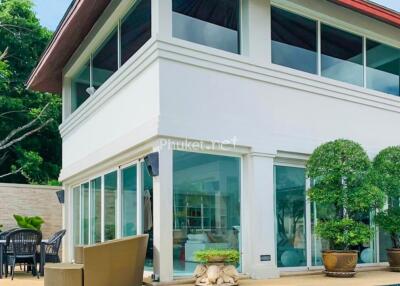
[(340, 172), (386, 175)]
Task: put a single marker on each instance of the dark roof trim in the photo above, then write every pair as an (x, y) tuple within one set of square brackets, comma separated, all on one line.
[(74, 27)]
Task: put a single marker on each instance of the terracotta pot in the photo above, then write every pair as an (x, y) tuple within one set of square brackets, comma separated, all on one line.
[(340, 263), (394, 259), (216, 259)]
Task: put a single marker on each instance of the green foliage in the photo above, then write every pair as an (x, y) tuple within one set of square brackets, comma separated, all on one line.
[(230, 256), (343, 233), (386, 176), (24, 40), (34, 223), (341, 173)]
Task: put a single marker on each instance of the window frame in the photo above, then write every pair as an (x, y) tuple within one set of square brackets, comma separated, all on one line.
[(338, 24), (109, 22)]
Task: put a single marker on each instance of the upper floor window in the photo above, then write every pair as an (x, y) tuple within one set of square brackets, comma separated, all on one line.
[(341, 55), (214, 23), (294, 41), (314, 47), (130, 34), (383, 68)]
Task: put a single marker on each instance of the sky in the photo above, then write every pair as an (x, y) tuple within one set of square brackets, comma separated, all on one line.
[(50, 12)]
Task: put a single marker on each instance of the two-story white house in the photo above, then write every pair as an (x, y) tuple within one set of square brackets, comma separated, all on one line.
[(231, 96)]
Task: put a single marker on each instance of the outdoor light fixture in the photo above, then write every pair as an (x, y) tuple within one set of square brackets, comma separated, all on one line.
[(60, 196), (151, 161)]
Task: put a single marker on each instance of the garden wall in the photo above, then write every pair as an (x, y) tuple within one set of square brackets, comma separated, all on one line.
[(30, 200)]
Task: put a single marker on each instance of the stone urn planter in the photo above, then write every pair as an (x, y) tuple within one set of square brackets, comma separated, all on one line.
[(394, 259), (217, 268), (340, 263)]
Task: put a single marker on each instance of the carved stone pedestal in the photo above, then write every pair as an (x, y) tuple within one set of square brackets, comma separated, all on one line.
[(216, 274)]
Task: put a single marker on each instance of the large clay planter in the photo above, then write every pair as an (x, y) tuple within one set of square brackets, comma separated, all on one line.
[(340, 263), (394, 259)]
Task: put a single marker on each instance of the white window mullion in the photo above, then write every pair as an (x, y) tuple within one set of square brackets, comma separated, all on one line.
[(81, 215), (139, 200), (102, 210)]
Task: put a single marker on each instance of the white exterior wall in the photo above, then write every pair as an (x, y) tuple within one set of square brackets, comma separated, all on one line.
[(176, 89)]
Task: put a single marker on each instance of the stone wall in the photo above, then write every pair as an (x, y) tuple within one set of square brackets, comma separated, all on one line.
[(30, 200)]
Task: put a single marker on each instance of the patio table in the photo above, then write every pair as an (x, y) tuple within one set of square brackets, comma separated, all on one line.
[(42, 257)]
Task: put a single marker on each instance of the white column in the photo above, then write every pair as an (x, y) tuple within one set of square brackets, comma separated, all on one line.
[(259, 217), (256, 30), (162, 203), (67, 223), (161, 19)]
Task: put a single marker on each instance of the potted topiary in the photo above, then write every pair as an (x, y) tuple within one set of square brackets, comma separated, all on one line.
[(341, 178), (217, 267), (386, 175)]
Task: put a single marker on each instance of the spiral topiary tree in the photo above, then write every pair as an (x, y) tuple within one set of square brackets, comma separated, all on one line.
[(386, 175), (341, 178)]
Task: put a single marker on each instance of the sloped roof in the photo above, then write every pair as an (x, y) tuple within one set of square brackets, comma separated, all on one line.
[(83, 14)]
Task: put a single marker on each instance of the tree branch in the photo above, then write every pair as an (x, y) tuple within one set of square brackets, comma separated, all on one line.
[(11, 173), (22, 137), (8, 141)]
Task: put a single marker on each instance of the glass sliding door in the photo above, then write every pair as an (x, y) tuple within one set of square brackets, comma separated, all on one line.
[(129, 200), (110, 204), (206, 206), (95, 210), (290, 195), (76, 209)]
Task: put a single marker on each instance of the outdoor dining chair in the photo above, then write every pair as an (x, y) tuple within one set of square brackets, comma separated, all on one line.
[(49, 251), (24, 243)]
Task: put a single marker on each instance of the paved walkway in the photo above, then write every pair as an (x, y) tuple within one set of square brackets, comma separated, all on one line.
[(365, 278)]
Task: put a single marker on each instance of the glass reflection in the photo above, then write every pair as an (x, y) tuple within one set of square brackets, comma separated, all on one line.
[(294, 41), (214, 23), (206, 206), (383, 68), (290, 186), (341, 55), (110, 202)]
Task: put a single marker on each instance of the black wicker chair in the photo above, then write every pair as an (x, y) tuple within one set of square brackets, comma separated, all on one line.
[(3, 236), (52, 247), (24, 244)]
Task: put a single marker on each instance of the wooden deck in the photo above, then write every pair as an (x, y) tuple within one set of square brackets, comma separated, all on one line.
[(363, 278)]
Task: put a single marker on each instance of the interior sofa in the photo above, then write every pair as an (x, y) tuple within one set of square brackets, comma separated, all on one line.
[(117, 262)]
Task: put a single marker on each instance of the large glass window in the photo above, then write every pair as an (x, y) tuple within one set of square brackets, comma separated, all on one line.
[(294, 41), (79, 87), (290, 197), (110, 203), (129, 200), (95, 212), (76, 214), (214, 23), (85, 214), (147, 213), (342, 55), (105, 60), (135, 29), (383, 68), (206, 206)]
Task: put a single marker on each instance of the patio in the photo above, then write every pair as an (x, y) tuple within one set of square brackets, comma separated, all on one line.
[(363, 278)]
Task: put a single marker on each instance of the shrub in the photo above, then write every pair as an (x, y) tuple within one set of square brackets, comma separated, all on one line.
[(386, 175), (230, 256), (341, 174), (34, 223)]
